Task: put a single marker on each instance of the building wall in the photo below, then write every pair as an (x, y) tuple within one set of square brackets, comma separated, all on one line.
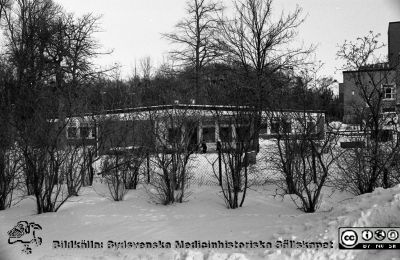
[(351, 92), (295, 122), (137, 129), (394, 43), (351, 100)]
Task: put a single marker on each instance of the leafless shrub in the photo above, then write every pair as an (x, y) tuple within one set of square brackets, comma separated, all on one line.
[(236, 144), (373, 163), (113, 169), (10, 170), (173, 132), (305, 160)]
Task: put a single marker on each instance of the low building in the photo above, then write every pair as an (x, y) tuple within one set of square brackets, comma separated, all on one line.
[(195, 125)]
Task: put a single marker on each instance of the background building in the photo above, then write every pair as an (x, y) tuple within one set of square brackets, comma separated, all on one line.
[(380, 80), (165, 125)]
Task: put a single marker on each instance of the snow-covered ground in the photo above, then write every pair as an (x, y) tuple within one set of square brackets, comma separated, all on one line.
[(203, 217)]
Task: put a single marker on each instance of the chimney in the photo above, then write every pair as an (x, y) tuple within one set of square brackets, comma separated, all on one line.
[(176, 102), (394, 43)]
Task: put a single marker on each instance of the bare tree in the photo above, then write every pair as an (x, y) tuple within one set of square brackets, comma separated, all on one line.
[(113, 168), (123, 145), (51, 165), (10, 161), (173, 131), (306, 146), (146, 67), (305, 157), (73, 167), (50, 53), (259, 44), (373, 110), (10, 176), (4, 4), (195, 36), (134, 165), (236, 145)]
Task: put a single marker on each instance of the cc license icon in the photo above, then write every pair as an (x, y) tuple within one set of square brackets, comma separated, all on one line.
[(349, 238)]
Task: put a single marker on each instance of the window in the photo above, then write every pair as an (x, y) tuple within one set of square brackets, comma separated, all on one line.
[(286, 126), (311, 127), (225, 134), (263, 128), (209, 134), (274, 127), (243, 133), (87, 132), (72, 132), (174, 135), (94, 131), (281, 126), (84, 132), (77, 130), (389, 91), (141, 134)]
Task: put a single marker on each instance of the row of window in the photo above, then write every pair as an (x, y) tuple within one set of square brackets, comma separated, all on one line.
[(225, 134), (389, 91), (242, 132), (208, 133), (85, 132), (285, 126)]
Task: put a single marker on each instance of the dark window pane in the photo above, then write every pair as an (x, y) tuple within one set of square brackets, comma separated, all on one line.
[(94, 132), (311, 127), (142, 133), (174, 135), (281, 126), (225, 134), (84, 132), (264, 128), (243, 133), (274, 127), (286, 127), (71, 132), (209, 134)]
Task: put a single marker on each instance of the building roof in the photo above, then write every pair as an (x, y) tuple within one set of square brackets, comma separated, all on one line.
[(372, 67), (200, 107)]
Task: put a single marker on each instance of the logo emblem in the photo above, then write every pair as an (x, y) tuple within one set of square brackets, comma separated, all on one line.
[(25, 233), (392, 235), (367, 235), (349, 238), (380, 235)]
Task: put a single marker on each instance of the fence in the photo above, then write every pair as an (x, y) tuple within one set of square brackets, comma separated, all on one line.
[(206, 168)]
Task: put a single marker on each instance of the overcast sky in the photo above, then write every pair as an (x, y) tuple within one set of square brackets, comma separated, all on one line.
[(132, 28)]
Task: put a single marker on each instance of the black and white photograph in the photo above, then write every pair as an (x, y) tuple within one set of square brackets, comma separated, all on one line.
[(199, 129)]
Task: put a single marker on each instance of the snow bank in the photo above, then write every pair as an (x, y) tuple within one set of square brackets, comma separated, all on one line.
[(203, 217)]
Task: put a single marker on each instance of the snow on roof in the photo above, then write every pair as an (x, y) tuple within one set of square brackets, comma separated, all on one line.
[(141, 113)]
